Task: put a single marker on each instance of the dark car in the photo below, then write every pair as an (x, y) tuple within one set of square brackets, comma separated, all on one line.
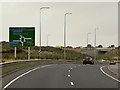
[(112, 63), (88, 60)]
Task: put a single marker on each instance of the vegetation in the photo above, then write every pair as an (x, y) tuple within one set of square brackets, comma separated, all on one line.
[(99, 46), (46, 53), (53, 53), (111, 55)]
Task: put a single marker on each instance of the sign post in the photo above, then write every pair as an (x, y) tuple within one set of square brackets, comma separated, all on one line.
[(15, 52), (28, 53), (22, 36)]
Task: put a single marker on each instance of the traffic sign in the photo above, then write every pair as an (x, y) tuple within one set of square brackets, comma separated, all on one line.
[(22, 36)]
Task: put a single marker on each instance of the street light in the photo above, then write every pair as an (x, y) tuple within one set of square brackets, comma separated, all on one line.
[(88, 37), (87, 41), (95, 45), (47, 38), (40, 27), (65, 34)]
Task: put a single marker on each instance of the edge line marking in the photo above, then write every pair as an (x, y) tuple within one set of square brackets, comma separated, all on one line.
[(7, 85), (101, 68)]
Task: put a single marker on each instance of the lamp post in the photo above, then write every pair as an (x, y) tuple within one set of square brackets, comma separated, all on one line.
[(48, 39), (95, 45), (65, 34), (88, 37), (40, 28), (87, 41)]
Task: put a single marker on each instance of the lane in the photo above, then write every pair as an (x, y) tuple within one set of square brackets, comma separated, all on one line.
[(54, 76), (90, 76), (66, 76)]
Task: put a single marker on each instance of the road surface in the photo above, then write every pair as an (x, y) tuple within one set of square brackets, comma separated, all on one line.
[(63, 76)]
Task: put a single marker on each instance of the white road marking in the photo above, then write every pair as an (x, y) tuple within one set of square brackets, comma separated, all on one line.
[(72, 83), (68, 75), (23, 75), (101, 68), (68, 70), (71, 68)]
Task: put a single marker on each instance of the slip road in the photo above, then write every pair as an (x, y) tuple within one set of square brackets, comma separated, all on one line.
[(63, 76)]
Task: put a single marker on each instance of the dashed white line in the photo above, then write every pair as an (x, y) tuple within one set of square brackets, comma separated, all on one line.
[(68, 70), (22, 76), (101, 68), (72, 83), (68, 75)]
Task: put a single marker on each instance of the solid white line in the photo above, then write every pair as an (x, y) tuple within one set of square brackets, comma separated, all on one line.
[(101, 68), (72, 83), (23, 75), (68, 75)]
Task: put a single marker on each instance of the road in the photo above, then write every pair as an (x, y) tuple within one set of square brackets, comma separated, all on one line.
[(64, 76)]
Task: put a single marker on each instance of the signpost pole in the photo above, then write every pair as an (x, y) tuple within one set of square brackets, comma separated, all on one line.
[(28, 53), (15, 52)]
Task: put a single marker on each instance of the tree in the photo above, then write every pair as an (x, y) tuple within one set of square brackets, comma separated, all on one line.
[(111, 46), (89, 46), (118, 47), (100, 46)]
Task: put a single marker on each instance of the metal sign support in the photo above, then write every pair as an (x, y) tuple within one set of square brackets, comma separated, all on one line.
[(28, 53), (15, 52)]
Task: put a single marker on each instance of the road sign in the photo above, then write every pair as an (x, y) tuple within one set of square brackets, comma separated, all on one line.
[(22, 36)]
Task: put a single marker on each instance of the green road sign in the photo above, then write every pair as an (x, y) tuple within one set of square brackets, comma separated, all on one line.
[(22, 36)]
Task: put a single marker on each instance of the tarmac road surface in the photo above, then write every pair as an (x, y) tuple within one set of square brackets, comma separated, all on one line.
[(63, 76)]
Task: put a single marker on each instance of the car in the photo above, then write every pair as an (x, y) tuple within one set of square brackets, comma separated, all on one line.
[(88, 60), (112, 63)]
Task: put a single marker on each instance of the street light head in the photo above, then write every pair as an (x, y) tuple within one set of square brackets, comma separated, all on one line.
[(67, 13), (45, 8)]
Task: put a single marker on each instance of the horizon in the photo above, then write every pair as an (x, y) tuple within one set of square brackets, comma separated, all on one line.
[(66, 46)]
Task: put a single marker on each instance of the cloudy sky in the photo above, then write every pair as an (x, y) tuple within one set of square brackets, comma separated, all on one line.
[(85, 17)]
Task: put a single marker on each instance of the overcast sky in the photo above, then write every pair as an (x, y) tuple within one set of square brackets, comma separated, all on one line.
[(85, 17)]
